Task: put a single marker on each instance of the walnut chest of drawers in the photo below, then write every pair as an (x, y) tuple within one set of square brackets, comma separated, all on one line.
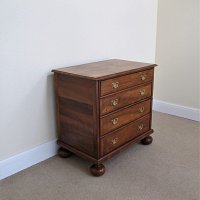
[(102, 108)]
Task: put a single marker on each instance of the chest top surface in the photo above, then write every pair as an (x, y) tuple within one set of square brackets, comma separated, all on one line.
[(104, 69)]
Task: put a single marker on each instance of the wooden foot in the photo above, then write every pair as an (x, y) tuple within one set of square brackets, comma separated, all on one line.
[(147, 140), (97, 170), (64, 153)]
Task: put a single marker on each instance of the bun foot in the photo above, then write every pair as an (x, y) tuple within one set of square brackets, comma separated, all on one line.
[(64, 153), (97, 170), (147, 140)]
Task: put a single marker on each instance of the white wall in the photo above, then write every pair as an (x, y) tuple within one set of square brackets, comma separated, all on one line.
[(177, 54), (36, 36)]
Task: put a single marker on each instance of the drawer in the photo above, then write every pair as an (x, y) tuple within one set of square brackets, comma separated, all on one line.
[(124, 98), (121, 136), (122, 82), (124, 116)]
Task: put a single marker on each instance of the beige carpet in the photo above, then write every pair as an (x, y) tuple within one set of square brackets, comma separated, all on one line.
[(168, 169)]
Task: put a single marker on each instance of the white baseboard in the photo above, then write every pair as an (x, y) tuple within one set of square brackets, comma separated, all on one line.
[(177, 110), (26, 159)]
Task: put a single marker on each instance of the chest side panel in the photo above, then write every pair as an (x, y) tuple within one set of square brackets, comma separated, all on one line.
[(76, 112)]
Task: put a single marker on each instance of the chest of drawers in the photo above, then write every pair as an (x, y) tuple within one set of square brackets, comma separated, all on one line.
[(102, 108)]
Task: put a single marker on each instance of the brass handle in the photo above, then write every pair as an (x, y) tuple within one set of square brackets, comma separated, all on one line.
[(115, 85), (142, 92), (143, 77), (115, 140), (141, 109), (114, 102), (140, 127), (114, 121)]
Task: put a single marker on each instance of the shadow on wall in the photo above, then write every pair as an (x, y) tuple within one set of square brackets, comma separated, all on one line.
[(51, 103)]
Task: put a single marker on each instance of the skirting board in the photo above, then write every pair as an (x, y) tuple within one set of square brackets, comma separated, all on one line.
[(177, 110), (26, 159)]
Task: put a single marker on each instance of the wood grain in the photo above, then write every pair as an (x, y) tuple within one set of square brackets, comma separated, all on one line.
[(75, 88), (104, 69), (124, 116), (76, 125), (115, 139), (77, 113), (125, 81), (124, 98)]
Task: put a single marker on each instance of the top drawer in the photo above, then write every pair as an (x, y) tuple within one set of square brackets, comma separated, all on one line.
[(122, 82)]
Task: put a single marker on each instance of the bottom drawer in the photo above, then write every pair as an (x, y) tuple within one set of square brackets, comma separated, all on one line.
[(119, 137)]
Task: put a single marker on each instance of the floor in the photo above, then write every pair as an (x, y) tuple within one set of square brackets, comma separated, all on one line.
[(168, 169)]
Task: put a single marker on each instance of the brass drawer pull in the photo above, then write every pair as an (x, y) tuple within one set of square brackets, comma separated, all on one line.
[(140, 127), (142, 92), (143, 77), (114, 121), (141, 109), (115, 85), (114, 102), (115, 140)]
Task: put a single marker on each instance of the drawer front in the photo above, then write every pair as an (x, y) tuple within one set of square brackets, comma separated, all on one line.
[(124, 134), (124, 116), (119, 100), (122, 82)]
